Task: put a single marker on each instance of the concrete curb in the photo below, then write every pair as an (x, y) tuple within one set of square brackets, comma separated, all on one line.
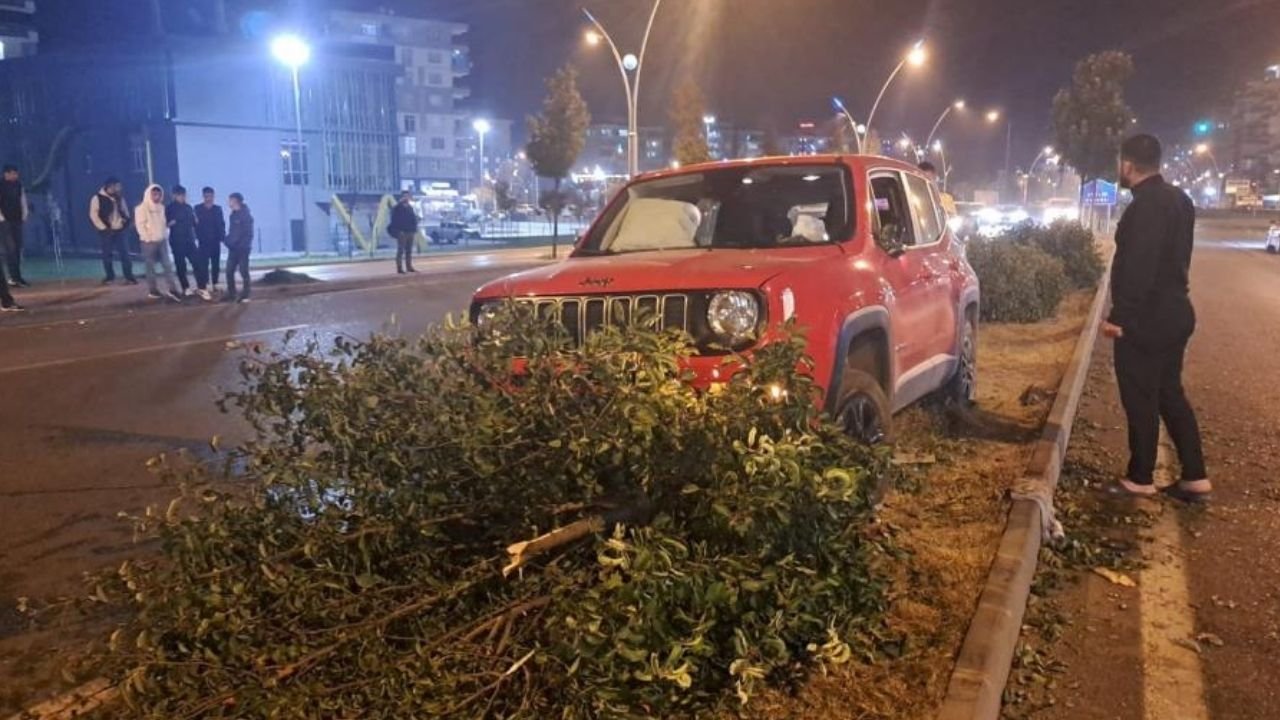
[(982, 668)]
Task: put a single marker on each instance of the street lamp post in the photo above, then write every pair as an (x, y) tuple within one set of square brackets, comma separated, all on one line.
[(1204, 149), (838, 104), (916, 58), (993, 116), (942, 156), (481, 126), (1044, 153), (294, 52), (627, 65), (957, 105)]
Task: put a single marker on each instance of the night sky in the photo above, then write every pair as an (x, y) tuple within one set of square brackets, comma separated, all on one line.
[(769, 63)]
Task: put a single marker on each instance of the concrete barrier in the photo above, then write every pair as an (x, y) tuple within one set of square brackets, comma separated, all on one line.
[(982, 668)]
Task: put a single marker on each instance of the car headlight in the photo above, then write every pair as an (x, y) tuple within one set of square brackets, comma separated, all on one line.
[(733, 315), (486, 312)]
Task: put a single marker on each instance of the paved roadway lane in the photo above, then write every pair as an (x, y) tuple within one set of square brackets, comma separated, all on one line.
[(1213, 574), (88, 394)]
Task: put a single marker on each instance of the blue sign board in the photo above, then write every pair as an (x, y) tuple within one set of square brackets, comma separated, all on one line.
[(1098, 192)]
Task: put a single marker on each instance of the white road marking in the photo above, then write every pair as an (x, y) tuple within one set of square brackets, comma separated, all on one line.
[(150, 348), (1173, 677)]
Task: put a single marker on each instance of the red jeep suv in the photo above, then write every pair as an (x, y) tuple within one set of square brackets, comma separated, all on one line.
[(855, 248)]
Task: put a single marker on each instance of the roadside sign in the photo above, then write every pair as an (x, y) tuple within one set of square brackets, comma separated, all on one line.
[(1098, 192)]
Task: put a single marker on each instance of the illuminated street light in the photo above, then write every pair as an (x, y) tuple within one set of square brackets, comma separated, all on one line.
[(993, 116), (630, 66), (1046, 154), (957, 105), (916, 57), (482, 128), (858, 130), (294, 52)]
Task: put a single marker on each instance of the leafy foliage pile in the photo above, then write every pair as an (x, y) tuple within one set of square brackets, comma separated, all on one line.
[(1068, 241), (1020, 282), (348, 562)]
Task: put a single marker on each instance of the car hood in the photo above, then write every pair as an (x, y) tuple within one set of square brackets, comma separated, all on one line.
[(657, 271)]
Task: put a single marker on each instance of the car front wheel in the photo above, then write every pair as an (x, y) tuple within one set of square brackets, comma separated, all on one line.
[(863, 411), (962, 390)]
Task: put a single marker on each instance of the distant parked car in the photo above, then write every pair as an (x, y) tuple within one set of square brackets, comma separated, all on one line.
[(964, 223), (450, 232)]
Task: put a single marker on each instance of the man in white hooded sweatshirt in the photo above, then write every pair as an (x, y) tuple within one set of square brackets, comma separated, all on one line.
[(153, 230)]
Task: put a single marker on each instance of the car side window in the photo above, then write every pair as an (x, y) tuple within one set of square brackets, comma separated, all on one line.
[(926, 213), (891, 205)]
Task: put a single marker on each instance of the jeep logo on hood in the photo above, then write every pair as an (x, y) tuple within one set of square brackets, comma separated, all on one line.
[(601, 282)]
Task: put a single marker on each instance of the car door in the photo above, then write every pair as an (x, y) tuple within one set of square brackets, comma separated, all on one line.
[(904, 275), (935, 269)]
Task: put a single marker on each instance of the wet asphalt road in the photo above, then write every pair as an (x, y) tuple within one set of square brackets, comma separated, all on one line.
[(90, 389)]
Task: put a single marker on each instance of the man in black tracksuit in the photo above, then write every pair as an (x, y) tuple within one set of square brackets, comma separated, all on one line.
[(404, 228), (239, 243), (211, 229), (182, 240), (1152, 320), (13, 216)]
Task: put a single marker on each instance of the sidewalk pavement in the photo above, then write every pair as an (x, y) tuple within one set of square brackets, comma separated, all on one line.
[(80, 294)]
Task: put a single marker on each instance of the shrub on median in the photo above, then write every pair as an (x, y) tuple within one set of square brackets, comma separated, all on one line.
[(1020, 283), (1068, 241), (354, 563)]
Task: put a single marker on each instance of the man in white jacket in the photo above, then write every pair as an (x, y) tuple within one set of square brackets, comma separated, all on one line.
[(153, 230)]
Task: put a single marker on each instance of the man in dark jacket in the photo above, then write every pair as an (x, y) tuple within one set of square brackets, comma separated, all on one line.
[(239, 243), (109, 214), (404, 228), (1152, 320), (182, 239), (13, 215), (211, 230)]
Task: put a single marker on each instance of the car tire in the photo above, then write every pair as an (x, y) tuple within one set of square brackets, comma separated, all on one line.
[(962, 389), (863, 411)]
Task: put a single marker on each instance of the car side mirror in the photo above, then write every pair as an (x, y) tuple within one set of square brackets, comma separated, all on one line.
[(889, 238)]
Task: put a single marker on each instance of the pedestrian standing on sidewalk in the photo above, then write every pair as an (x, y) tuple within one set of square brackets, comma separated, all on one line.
[(182, 240), (239, 243), (153, 229), (211, 230), (110, 216), (1152, 320), (404, 228), (13, 216)]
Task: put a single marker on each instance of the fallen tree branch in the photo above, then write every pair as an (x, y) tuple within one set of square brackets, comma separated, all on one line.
[(522, 551)]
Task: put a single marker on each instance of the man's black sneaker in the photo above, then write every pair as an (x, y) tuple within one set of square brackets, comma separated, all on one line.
[(154, 295), (108, 281), (243, 300), (23, 283), (15, 307)]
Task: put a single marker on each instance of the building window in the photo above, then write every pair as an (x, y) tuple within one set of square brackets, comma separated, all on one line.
[(410, 145), (459, 145), (437, 143), (370, 29), (436, 100), (411, 123), (435, 78), (434, 56), (422, 76), (293, 162), (138, 153), (409, 166)]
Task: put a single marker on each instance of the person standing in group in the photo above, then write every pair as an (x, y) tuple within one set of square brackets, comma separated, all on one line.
[(182, 240), (13, 215), (211, 230), (404, 228), (153, 229), (110, 216), (1152, 320), (239, 243)]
